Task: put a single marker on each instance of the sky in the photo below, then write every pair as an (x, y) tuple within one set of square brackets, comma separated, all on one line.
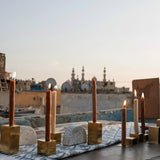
[(47, 38)]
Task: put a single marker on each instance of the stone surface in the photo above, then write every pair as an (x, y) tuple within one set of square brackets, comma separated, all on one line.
[(28, 135), (74, 135), (73, 103)]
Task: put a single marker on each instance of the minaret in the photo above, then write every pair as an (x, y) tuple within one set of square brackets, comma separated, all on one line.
[(83, 73), (104, 75), (72, 75)]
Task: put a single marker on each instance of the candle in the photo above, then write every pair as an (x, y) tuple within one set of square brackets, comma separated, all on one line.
[(135, 113), (94, 101), (142, 114), (124, 124), (48, 114), (53, 111), (12, 102)]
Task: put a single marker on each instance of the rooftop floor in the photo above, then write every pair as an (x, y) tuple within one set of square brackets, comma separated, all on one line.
[(141, 151)]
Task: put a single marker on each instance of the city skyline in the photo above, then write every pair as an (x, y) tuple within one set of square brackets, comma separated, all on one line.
[(43, 39)]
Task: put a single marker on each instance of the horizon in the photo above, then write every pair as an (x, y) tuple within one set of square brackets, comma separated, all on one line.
[(43, 39)]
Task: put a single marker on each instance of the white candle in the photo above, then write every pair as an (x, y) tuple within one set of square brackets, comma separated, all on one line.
[(135, 113), (53, 111)]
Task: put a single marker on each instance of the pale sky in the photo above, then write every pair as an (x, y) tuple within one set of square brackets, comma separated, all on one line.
[(47, 38)]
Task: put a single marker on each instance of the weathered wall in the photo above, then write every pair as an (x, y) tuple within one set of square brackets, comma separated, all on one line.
[(4, 98), (28, 98), (39, 121), (73, 103)]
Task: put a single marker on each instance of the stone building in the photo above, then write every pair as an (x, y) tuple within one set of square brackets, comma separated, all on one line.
[(3, 74), (77, 85)]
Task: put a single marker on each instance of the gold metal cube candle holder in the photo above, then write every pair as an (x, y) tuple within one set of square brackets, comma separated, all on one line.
[(94, 133), (138, 136), (10, 139), (46, 148), (145, 137), (131, 141), (154, 135), (158, 122), (57, 137)]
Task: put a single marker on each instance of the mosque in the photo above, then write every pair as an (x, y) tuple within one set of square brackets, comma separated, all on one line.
[(76, 85)]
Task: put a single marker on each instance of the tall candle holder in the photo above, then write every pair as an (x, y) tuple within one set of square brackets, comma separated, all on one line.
[(94, 127), (54, 135), (47, 147), (10, 133)]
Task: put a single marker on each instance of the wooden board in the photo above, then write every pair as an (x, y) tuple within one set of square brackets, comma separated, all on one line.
[(150, 87)]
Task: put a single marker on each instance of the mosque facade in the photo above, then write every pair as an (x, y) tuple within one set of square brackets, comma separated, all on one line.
[(76, 85)]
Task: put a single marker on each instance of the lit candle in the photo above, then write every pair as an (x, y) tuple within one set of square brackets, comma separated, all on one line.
[(53, 111), (12, 102), (135, 113), (124, 124), (48, 114), (142, 113), (94, 101)]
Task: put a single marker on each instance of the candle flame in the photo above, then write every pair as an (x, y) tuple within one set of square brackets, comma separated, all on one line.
[(55, 87), (135, 93), (13, 75), (49, 86), (124, 103), (142, 95)]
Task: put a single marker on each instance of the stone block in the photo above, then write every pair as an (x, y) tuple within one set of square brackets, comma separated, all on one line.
[(28, 135), (94, 133), (154, 135), (138, 136), (46, 148), (57, 137), (74, 135), (10, 139)]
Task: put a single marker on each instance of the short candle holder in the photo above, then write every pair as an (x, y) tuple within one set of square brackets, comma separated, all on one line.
[(158, 122), (145, 137), (154, 135), (10, 139), (56, 136), (138, 136), (46, 148), (131, 141), (94, 133)]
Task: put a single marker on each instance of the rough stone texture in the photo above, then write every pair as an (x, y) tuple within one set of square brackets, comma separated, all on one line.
[(28, 135), (72, 103), (74, 135), (39, 120)]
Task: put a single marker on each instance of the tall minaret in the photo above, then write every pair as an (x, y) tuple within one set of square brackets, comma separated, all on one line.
[(104, 75), (72, 75), (83, 73)]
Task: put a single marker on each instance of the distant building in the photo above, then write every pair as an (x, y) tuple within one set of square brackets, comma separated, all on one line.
[(77, 86)]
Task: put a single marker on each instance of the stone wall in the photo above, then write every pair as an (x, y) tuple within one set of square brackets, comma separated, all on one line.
[(73, 103), (39, 120), (4, 98)]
